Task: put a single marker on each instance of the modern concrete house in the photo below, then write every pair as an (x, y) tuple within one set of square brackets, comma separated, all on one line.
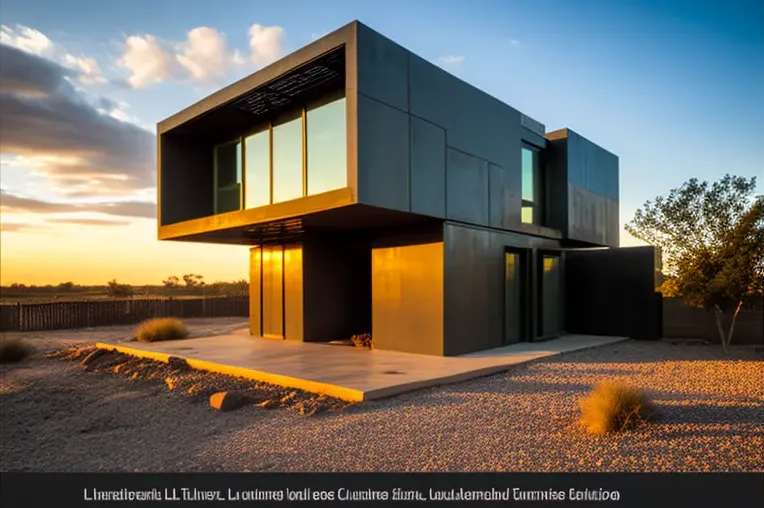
[(379, 193)]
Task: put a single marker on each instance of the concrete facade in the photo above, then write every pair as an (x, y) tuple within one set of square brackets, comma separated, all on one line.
[(417, 248)]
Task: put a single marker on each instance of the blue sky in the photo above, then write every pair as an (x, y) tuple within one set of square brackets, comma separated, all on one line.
[(674, 88)]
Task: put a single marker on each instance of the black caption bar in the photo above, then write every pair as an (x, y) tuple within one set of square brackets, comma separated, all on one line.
[(388, 489)]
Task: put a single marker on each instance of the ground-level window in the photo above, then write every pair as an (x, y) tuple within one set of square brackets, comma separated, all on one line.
[(228, 171), (532, 187)]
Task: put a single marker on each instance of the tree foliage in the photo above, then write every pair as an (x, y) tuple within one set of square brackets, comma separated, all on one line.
[(712, 240), (115, 289)]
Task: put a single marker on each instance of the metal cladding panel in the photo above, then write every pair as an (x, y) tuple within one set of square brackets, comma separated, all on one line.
[(383, 155), (592, 217), (255, 288), (612, 292), (556, 165), (428, 168), (407, 298), (186, 186), (504, 210), (473, 285), (293, 292), (467, 188), (475, 122), (591, 167), (273, 291), (383, 69)]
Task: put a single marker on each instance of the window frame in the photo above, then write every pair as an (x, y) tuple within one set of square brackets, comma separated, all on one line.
[(538, 204), (292, 114)]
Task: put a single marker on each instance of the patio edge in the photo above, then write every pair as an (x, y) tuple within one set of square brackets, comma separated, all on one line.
[(348, 394)]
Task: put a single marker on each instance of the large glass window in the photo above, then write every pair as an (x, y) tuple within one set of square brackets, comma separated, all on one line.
[(327, 160), (533, 205), (228, 177), (308, 143), (257, 162), (287, 159)]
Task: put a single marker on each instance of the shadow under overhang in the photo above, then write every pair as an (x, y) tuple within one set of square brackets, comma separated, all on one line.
[(355, 222)]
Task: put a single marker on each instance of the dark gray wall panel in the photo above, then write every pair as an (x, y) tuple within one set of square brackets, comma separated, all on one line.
[(383, 69), (467, 188), (504, 212), (592, 167), (612, 292), (383, 155), (407, 298), (187, 187), (428, 168), (473, 285), (590, 217), (475, 122), (555, 160)]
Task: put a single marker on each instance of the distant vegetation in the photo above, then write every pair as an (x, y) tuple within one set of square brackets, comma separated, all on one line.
[(187, 286)]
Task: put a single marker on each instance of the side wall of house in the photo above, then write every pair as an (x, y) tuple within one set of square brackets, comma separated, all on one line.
[(474, 277), (432, 144)]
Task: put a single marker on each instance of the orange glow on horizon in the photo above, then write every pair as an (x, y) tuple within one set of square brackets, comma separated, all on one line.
[(94, 255)]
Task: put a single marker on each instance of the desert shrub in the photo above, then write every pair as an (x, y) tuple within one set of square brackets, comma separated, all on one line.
[(13, 350), (614, 406), (362, 340), (158, 329)]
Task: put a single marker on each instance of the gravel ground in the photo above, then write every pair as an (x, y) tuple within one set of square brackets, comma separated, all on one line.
[(55, 416)]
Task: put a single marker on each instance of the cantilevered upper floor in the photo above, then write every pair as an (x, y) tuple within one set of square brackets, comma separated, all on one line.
[(354, 132)]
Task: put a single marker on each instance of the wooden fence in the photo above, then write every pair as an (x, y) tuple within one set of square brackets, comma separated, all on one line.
[(683, 322), (84, 314)]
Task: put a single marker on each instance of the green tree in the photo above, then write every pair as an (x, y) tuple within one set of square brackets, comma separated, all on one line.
[(712, 240)]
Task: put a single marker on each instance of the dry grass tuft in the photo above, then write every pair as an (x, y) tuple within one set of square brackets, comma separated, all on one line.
[(13, 350), (614, 406), (158, 329)]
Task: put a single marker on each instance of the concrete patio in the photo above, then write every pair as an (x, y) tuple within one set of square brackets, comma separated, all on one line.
[(345, 372)]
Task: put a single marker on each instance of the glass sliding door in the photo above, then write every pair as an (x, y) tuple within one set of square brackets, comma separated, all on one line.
[(551, 295), (513, 297)]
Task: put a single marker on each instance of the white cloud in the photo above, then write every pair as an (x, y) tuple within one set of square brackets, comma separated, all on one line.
[(205, 54), (88, 69), (452, 59), (33, 41), (266, 43), (147, 59), (514, 42), (26, 39)]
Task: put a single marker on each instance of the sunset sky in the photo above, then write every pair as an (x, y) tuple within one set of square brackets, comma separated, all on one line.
[(675, 88)]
